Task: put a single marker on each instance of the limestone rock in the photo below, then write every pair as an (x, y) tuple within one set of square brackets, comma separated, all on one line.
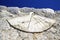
[(4, 24), (7, 32), (3, 7), (48, 10)]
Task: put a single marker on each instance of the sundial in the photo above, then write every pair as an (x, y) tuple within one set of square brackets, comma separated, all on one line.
[(31, 23)]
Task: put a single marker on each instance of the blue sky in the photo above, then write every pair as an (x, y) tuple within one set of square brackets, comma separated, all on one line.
[(54, 4)]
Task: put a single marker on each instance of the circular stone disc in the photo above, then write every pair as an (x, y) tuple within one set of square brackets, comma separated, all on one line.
[(36, 24)]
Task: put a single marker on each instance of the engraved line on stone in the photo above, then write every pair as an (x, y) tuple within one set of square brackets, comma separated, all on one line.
[(31, 14)]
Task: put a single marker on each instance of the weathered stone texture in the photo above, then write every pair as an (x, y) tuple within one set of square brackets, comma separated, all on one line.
[(7, 32)]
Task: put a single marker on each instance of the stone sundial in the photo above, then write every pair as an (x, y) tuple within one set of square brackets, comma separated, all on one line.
[(31, 23)]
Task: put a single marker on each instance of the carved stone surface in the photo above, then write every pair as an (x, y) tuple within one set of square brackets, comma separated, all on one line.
[(37, 23)]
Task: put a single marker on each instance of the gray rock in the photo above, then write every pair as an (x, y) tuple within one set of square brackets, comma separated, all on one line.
[(3, 8), (13, 10), (5, 14), (7, 32), (27, 9)]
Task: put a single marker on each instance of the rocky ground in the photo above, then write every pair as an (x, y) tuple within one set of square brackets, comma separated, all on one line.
[(9, 33)]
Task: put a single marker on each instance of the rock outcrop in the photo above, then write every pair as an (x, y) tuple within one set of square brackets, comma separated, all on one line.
[(10, 32)]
